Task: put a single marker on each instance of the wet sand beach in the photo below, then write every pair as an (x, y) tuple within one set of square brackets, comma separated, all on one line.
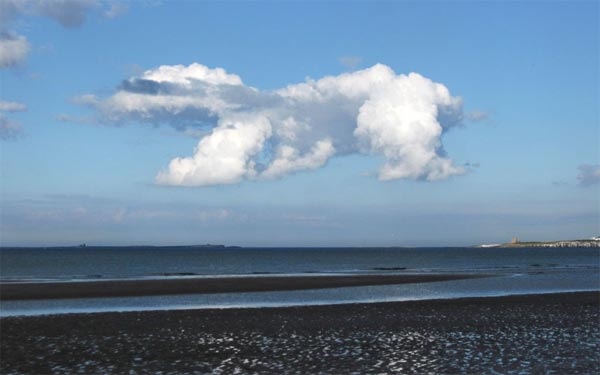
[(148, 287), (555, 333)]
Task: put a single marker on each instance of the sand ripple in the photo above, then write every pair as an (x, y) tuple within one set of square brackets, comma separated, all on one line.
[(540, 334)]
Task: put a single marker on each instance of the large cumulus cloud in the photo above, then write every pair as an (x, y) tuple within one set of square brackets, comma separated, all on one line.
[(253, 134)]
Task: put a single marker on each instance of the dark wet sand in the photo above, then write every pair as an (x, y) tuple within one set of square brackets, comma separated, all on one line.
[(539, 334), (129, 288)]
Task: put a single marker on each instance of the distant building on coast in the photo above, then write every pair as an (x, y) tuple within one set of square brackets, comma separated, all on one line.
[(515, 240)]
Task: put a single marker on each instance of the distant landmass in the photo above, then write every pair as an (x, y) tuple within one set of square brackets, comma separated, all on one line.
[(203, 246), (592, 242)]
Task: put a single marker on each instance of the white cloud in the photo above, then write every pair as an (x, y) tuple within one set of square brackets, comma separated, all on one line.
[(6, 106), (169, 92), (401, 121), (289, 160), (255, 134), (223, 157), (186, 75), (13, 49)]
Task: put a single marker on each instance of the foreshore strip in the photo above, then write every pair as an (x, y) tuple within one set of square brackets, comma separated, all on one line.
[(552, 333), (130, 288)]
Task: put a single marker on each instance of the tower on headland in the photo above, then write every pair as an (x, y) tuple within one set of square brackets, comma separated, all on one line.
[(515, 240)]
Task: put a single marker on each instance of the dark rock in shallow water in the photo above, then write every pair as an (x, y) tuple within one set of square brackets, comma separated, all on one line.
[(223, 284), (179, 274)]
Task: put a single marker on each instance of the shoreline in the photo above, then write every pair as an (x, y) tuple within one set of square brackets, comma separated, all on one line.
[(565, 297), (274, 305), (551, 333), (155, 287)]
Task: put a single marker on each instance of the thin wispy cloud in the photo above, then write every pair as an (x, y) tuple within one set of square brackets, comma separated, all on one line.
[(258, 134), (10, 129), (589, 174), (477, 115), (6, 106), (350, 62), (15, 47), (102, 211), (69, 13), (116, 10)]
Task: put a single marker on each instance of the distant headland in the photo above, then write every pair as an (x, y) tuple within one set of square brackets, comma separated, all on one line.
[(174, 247), (591, 242)]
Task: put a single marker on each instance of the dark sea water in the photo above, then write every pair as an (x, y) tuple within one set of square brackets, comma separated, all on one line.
[(518, 271)]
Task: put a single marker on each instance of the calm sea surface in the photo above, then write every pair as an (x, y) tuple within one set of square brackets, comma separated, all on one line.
[(518, 271)]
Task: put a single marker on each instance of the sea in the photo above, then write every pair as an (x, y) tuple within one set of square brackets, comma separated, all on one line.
[(514, 271)]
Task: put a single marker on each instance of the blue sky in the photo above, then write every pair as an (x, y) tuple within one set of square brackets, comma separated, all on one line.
[(522, 159)]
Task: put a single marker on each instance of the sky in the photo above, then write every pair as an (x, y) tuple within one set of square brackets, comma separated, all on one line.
[(298, 123)]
